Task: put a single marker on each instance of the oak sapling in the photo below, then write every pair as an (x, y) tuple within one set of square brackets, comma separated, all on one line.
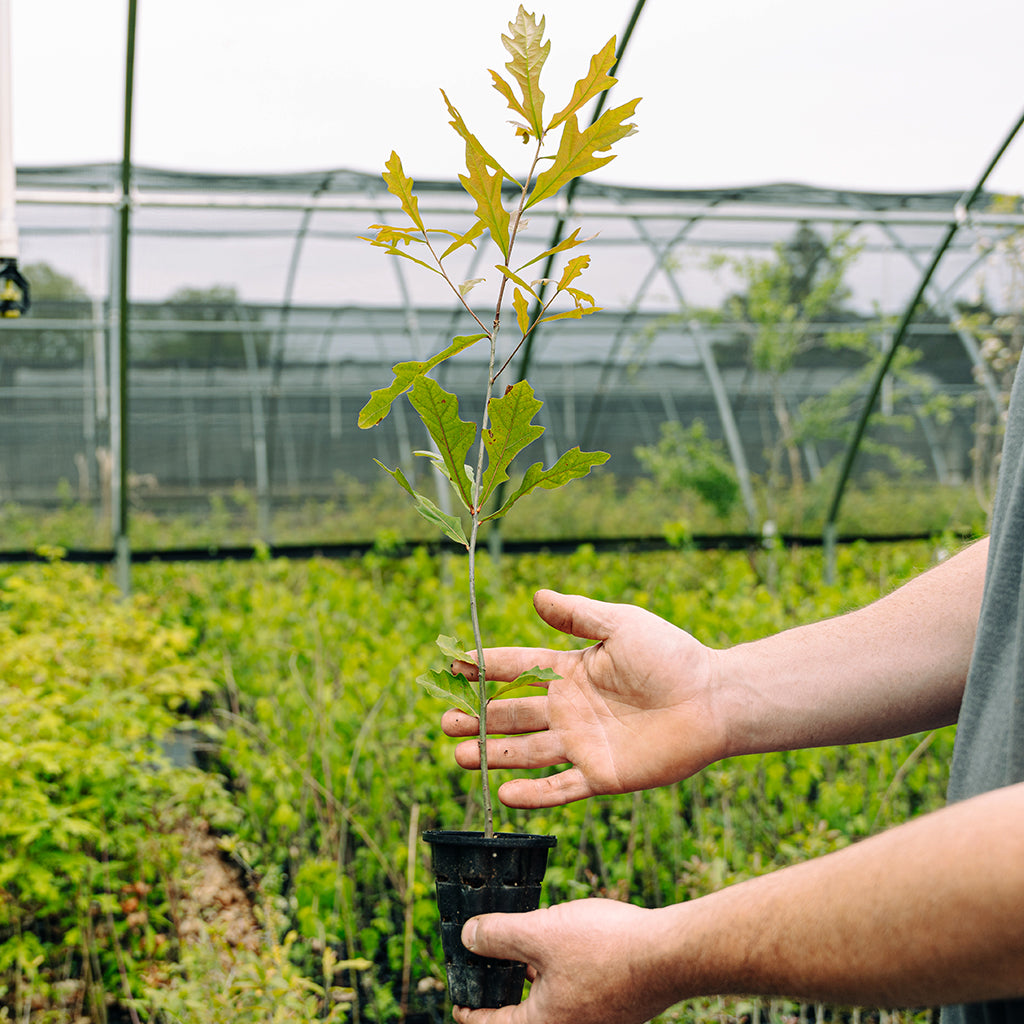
[(559, 152)]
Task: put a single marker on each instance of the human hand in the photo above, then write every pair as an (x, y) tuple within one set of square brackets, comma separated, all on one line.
[(633, 711), (590, 961)]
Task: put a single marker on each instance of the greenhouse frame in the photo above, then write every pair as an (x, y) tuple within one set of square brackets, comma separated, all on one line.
[(260, 319)]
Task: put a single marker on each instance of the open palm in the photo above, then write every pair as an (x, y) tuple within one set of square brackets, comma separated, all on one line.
[(632, 711)]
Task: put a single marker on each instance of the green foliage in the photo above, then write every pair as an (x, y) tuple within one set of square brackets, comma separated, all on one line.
[(689, 460), (224, 343), (597, 507), (790, 308), (508, 425), (220, 982), (315, 713), (57, 296), (92, 688), (456, 689), (316, 664)]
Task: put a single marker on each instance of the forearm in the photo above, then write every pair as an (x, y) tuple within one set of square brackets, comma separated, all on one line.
[(895, 667), (926, 914)]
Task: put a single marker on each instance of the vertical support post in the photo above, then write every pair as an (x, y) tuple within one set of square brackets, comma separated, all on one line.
[(8, 223), (732, 434), (122, 547), (14, 290), (264, 510)]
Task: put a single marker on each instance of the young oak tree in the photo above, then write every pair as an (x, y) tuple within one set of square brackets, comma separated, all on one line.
[(505, 425)]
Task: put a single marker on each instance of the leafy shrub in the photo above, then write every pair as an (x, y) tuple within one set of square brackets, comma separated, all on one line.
[(91, 686), (337, 760), (688, 460), (601, 505), (332, 762)]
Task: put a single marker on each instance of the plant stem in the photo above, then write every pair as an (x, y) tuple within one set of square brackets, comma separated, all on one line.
[(476, 511)]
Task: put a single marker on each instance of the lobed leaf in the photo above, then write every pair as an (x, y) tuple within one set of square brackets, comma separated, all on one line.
[(596, 81), (516, 279), (406, 374), (573, 269), (390, 236), (451, 526), (567, 243), (514, 105), (465, 239), (400, 185), (570, 466), (480, 185), (577, 313), (456, 689), (582, 298), (472, 142), (522, 310), (450, 647), (535, 676), (511, 430), (439, 411), (577, 150), (485, 188), (528, 50)]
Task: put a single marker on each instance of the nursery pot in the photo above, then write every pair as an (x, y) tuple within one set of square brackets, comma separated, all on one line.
[(475, 875)]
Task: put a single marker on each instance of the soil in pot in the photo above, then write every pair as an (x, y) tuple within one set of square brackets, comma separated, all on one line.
[(475, 875)]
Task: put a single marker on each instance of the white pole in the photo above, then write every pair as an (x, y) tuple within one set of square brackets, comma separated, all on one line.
[(8, 224)]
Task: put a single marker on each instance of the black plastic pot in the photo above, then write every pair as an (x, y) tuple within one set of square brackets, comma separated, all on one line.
[(475, 875)]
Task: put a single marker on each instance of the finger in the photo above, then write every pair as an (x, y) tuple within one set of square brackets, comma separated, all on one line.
[(512, 716), (582, 617), (535, 750), (504, 936), (551, 791), (504, 1015), (458, 723), (504, 664)]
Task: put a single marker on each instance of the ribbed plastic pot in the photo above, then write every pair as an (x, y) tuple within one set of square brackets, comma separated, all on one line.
[(475, 875)]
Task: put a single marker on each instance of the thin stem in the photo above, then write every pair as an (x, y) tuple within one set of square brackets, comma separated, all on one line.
[(526, 334), (476, 512)]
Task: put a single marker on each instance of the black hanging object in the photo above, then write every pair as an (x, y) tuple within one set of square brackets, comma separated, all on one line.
[(14, 291)]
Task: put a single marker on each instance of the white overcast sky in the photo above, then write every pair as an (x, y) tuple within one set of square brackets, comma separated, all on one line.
[(867, 94)]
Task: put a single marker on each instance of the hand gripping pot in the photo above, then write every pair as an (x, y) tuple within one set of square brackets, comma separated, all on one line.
[(475, 875)]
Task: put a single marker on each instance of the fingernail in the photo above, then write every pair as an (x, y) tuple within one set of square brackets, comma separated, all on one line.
[(469, 934)]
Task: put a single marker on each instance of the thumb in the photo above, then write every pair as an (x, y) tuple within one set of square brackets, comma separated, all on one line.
[(504, 936), (579, 616), (582, 617)]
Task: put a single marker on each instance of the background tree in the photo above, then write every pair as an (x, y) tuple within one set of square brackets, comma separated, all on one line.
[(55, 297), (786, 300), (223, 344), (689, 460)]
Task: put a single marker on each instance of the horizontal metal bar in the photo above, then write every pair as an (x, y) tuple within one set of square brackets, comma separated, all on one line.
[(582, 208)]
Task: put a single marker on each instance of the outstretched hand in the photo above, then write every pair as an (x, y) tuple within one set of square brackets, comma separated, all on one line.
[(633, 711)]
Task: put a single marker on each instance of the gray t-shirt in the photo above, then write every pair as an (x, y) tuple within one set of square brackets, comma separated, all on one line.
[(989, 749)]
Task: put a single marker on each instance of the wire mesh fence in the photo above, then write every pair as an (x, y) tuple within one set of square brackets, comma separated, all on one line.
[(259, 322)]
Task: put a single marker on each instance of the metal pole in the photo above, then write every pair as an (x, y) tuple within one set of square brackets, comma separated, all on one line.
[(830, 529), (122, 548), (8, 224), (13, 287)]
